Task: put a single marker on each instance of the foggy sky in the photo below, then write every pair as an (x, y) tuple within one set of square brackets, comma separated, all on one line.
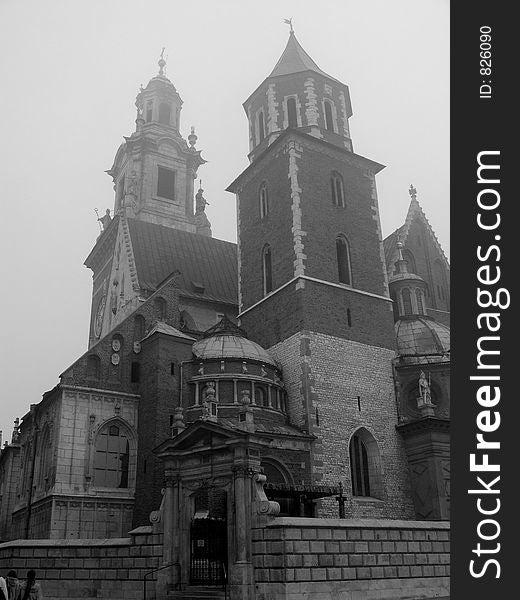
[(70, 71)]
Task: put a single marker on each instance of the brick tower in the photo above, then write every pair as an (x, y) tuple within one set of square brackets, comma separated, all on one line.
[(312, 281)]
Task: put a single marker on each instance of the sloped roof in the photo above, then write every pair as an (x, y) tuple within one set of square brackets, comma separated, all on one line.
[(161, 327), (207, 266), (294, 59), (390, 243)]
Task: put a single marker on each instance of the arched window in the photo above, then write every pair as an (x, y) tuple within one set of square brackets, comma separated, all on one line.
[(149, 110), (329, 122), (261, 126), (160, 309), (407, 301), (267, 269), (111, 458), (292, 115), (93, 366), (410, 261), (343, 258), (165, 111), (261, 397), (365, 465), (278, 478), (139, 327), (420, 304), (264, 201), (338, 194)]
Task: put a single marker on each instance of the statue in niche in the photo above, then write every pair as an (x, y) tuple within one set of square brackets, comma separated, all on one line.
[(245, 397), (133, 182), (209, 394), (425, 396)]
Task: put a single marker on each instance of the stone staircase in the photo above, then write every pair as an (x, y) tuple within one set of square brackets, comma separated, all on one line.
[(194, 592)]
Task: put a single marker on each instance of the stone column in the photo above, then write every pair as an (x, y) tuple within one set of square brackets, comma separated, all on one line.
[(241, 574), (167, 578)]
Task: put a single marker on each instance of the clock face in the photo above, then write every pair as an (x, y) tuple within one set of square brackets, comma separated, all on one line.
[(98, 321)]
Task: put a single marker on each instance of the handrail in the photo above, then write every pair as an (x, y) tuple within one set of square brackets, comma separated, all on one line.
[(152, 572)]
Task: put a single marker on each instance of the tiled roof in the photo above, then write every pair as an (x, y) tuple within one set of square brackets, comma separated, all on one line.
[(208, 267), (161, 327), (294, 59)]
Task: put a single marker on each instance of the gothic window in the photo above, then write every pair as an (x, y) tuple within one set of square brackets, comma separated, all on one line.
[(410, 261), (440, 280), (338, 195), (160, 308), (139, 327), (93, 366), (407, 301), (166, 183), (264, 201), (44, 466), (267, 269), (164, 113), (343, 259), (365, 465), (292, 114), (261, 126), (420, 304), (111, 457), (329, 122)]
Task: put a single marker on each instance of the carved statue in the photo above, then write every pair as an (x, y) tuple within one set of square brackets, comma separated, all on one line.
[(245, 397), (105, 219), (132, 185), (425, 396), (209, 392), (200, 201)]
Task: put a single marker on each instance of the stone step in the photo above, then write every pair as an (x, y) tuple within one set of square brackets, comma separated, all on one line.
[(198, 593)]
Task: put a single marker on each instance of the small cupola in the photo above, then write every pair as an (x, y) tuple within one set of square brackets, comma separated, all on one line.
[(297, 94), (407, 290), (159, 103)]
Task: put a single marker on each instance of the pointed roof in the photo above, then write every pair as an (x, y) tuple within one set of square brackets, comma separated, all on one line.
[(294, 59), (161, 327), (390, 243)]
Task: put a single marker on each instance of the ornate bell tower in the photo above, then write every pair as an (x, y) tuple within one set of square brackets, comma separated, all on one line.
[(312, 278), (155, 168)]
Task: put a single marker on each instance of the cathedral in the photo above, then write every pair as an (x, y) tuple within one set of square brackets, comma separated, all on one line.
[(305, 369)]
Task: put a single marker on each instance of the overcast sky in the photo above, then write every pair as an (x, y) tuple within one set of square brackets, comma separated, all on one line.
[(70, 71)]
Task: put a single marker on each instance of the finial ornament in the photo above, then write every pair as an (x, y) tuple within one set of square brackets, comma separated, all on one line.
[(413, 192), (289, 22), (162, 63)]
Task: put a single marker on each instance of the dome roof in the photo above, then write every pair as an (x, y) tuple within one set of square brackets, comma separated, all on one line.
[(422, 339), (227, 340)]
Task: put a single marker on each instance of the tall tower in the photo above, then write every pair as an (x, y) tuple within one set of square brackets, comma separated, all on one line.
[(153, 173), (312, 279), (154, 168)]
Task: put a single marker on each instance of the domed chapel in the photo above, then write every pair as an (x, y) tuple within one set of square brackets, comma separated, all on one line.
[(303, 371)]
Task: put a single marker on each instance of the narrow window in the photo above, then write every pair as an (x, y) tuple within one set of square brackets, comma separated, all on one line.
[(139, 327), (338, 196), (292, 118), (135, 372), (261, 127), (93, 366), (420, 305), (329, 123), (267, 269), (407, 301), (166, 183), (160, 309), (359, 467), (164, 113), (149, 107), (172, 368), (349, 317), (343, 259), (264, 202)]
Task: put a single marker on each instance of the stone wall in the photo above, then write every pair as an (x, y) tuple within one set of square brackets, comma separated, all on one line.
[(296, 559), (102, 568)]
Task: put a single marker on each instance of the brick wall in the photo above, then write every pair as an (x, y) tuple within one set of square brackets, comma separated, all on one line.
[(96, 568), (298, 558)]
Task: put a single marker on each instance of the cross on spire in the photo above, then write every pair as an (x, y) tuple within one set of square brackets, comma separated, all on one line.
[(413, 192), (289, 22), (162, 63)]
